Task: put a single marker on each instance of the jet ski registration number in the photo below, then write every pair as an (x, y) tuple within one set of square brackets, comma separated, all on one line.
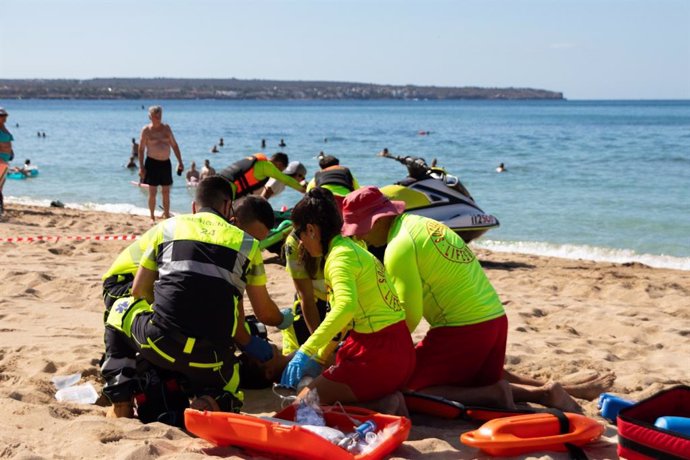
[(483, 219)]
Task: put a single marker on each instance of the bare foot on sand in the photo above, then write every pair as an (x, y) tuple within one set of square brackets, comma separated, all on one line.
[(393, 404), (557, 397), (591, 389), (582, 376)]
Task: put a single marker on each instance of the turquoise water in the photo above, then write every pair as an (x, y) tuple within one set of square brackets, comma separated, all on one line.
[(602, 180)]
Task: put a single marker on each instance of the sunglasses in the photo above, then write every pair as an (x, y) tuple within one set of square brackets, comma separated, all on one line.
[(3, 115), (298, 231)]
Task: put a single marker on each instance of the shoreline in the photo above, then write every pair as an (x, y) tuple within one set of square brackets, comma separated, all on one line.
[(535, 248), (567, 319)]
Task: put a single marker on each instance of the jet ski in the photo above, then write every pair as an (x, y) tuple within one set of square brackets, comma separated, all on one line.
[(427, 191), (430, 191)]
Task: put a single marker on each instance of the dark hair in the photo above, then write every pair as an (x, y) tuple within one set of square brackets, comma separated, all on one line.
[(280, 157), (326, 161), (252, 374), (252, 208), (213, 191), (318, 207)]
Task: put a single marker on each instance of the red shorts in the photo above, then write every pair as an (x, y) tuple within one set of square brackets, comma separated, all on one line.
[(467, 356), (374, 365)]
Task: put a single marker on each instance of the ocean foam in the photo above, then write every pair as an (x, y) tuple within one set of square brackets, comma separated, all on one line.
[(593, 253), (113, 208)]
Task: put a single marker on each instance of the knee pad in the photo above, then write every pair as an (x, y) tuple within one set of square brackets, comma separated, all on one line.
[(123, 312)]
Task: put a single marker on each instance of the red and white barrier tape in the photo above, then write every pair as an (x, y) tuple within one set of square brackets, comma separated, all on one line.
[(33, 239)]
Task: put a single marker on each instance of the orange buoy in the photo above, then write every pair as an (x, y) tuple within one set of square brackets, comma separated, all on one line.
[(520, 434)]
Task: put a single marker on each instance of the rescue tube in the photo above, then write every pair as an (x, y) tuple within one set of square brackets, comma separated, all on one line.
[(139, 184), (277, 235), (20, 175), (520, 434)]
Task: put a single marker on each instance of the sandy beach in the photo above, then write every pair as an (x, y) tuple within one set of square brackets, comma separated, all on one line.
[(569, 320)]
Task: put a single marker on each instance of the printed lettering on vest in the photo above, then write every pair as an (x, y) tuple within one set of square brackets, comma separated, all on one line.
[(438, 233), (387, 293)]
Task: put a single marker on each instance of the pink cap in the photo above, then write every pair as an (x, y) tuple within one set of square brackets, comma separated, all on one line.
[(363, 207)]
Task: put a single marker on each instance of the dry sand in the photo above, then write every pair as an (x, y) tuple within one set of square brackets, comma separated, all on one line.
[(568, 320)]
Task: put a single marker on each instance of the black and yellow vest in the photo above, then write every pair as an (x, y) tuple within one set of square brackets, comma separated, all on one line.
[(202, 263)]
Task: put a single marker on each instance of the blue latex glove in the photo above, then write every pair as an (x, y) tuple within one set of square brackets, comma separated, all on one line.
[(258, 348), (288, 318), (299, 366)]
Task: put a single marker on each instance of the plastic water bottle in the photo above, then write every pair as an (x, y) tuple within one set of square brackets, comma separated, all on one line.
[(64, 381), (309, 414), (82, 394), (349, 442), (673, 423)]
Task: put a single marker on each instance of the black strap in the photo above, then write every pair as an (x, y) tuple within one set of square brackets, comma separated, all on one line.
[(576, 452), (646, 450), (563, 422), (438, 399)]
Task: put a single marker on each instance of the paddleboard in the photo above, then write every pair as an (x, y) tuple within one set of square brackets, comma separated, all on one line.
[(20, 175)]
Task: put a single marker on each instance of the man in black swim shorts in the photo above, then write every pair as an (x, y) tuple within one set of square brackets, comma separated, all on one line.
[(156, 141)]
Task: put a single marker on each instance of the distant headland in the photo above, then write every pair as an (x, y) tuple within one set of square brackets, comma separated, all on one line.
[(234, 89)]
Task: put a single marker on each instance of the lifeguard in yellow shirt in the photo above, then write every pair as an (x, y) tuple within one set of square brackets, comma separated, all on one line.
[(438, 277), (378, 357)]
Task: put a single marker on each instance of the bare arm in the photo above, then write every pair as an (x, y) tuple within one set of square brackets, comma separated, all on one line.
[(142, 288), (305, 291), (176, 149), (142, 147), (263, 306), (266, 193)]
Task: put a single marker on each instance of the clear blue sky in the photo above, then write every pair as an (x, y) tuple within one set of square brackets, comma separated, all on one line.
[(588, 49)]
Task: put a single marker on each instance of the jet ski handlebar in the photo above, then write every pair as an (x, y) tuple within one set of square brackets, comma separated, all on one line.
[(416, 166)]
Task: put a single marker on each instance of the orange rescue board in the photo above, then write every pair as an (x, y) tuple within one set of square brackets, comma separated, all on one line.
[(520, 434), (293, 441)]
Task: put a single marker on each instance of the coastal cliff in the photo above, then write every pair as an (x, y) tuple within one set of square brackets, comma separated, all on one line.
[(177, 88)]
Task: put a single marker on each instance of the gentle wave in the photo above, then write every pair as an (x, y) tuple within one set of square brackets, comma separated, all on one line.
[(115, 208), (593, 253)]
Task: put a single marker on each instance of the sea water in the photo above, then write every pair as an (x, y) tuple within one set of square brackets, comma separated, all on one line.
[(600, 180)]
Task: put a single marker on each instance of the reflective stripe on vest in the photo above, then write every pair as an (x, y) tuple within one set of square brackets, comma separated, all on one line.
[(167, 265)]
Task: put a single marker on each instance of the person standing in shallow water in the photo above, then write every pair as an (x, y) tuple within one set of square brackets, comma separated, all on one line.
[(156, 141), (6, 153), (135, 147)]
